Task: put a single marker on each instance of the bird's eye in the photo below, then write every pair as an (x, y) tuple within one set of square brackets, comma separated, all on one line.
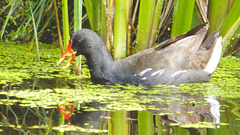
[(79, 42)]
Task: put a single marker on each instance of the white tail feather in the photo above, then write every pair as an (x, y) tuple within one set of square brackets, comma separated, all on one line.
[(215, 57)]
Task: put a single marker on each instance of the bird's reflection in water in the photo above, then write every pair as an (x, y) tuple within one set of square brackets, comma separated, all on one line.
[(182, 110)]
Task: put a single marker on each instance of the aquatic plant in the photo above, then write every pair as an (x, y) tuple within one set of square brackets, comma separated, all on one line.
[(134, 32)]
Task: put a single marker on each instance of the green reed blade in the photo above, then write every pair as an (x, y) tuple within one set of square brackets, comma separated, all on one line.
[(120, 28), (49, 18), (77, 26), (88, 5), (182, 16), (104, 28), (58, 25), (156, 19), (231, 21), (217, 11), (145, 22), (77, 15), (39, 15), (7, 19), (65, 23), (96, 24), (25, 23), (232, 41), (35, 30)]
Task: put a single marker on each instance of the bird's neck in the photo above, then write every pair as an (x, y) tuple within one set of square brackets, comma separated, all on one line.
[(100, 63)]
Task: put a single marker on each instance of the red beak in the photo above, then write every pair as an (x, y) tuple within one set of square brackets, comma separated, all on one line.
[(68, 52)]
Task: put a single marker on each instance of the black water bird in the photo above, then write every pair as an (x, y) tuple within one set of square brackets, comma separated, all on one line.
[(187, 58)]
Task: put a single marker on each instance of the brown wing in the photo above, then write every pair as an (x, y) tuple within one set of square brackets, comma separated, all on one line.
[(194, 31), (171, 54)]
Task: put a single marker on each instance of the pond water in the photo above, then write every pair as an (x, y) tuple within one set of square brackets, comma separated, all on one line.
[(32, 91)]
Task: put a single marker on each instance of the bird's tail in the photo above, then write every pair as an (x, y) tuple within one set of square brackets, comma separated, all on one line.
[(214, 44)]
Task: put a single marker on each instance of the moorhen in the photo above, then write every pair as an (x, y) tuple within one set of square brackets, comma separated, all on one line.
[(182, 59)]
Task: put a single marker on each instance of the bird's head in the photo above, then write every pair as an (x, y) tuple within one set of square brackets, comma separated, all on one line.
[(80, 43)]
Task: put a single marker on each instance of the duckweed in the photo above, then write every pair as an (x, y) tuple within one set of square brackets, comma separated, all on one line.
[(31, 83)]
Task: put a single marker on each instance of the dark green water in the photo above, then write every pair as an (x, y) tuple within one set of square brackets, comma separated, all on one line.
[(31, 92)]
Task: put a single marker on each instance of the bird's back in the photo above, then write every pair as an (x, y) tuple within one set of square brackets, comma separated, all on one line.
[(177, 60)]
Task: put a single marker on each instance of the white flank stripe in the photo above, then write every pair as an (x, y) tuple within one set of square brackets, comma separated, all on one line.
[(144, 71), (214, 60), (178, 72), (159, 72)]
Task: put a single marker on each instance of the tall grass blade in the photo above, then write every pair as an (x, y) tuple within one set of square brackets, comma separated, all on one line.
[(97, 10), (217, 11), (6, 7), (35, 30), (65, 22), (40, 13), (89, 8), (7, 19), (104, 28), (231, 21), (233, 42), (25, 24), (77, 15), (58, 26), (231, 30), (145, 22), (201, 6), (46, 23), (77, 26), (42, 3), (182, 16), (156, 20), (108, 22), (129, 28), (120, 28), (165, 15)]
